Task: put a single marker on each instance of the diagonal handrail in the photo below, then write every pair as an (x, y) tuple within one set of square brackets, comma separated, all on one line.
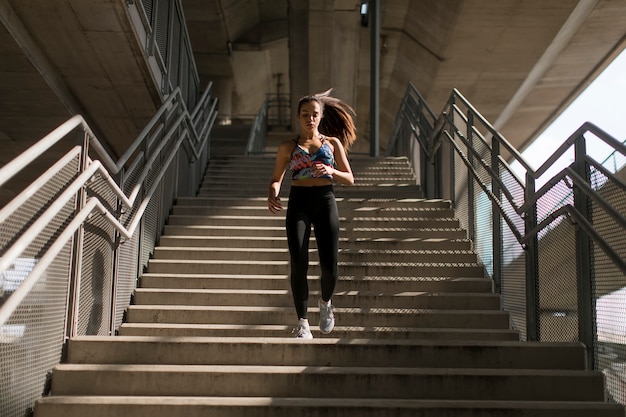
[(203, 117), (515, 203)]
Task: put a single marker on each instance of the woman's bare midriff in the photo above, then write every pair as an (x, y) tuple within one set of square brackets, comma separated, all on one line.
[(311, 182)]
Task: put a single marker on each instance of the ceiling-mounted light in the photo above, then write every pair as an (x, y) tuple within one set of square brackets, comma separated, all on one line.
[(364, 13)]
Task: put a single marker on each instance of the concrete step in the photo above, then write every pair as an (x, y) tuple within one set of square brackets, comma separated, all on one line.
[(343, 203), (345, 255), (341, 332), (276, 242), (223, 173), (250, 266), (356, 162), (356, 233), (383, 283), (365, 316), (283, 298), (346, 222), (328, 381), (261, 210), (203, 406), (325, 352), (353, 192)]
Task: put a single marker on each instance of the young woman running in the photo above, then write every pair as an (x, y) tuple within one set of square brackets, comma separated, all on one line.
[(316, 158)]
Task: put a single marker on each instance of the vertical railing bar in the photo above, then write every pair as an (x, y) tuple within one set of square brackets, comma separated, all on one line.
[(471, 208), (114, 283), (531, 264), (452, 155), (77, 249), (584, 260), (496, 218)]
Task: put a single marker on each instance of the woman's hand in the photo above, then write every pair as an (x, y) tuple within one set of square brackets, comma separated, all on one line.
[(320, 170), (273, 202)]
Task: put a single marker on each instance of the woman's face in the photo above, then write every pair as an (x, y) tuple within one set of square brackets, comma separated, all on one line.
[(310, 116)]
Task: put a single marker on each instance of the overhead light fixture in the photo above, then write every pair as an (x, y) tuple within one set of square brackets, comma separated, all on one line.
[(364, 13)]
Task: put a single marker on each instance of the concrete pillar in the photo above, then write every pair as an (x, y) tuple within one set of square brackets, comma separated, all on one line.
[(298, 15), (374, 21)]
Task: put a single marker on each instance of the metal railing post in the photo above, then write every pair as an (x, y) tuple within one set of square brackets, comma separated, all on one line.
[(496, 218), (471, 200), (375, 20), (532, 267), (452, 164), (584, 260), (73, 298)]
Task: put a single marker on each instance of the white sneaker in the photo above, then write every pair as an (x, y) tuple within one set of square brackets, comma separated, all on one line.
[(327, 318), (302, 330)]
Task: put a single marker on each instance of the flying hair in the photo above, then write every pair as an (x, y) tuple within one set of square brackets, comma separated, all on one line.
[(337, 117)]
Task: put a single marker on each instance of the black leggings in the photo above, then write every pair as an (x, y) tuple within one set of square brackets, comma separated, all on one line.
[(317, 206)]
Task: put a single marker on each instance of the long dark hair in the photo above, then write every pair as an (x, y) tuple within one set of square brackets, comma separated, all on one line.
[(337, 117)]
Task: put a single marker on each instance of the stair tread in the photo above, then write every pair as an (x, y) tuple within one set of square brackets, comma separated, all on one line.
[(338, 293), (337, 328), (311, 263), (330, 341), (316, 402), (345, 278), (338, 310), (286, 250), (327, 370)]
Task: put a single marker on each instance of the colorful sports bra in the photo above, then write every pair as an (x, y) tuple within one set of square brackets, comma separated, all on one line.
[(301, 161)]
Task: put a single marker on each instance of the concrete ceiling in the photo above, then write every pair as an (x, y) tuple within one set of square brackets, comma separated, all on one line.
[(65, 57), (520, 62)]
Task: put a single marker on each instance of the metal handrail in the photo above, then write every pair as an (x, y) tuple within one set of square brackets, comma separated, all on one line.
[(258, 132), (460, 122), (92, 167)]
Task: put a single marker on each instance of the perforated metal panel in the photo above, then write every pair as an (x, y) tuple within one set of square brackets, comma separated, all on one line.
[(561, 273), (31, 340), (162, 27), (610, 282)]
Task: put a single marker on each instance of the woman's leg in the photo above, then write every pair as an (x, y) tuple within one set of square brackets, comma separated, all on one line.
[(298, 226), (326, 225)]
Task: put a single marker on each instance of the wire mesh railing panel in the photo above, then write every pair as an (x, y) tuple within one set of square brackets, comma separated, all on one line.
[(147, 7), (461, 196), (610, 311), (483, 213), (96, 278), (169, 191), (483, 238), (150, 227), (610, 282), (162, 27), (167, 43), (31, 340), (611, 229), (513, 283), (127, 274), (71, 250), (17, 222), (557, 285), (175, 52)]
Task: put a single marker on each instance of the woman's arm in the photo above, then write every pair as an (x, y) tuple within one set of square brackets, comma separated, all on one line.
[(282, 160), (343, 173)]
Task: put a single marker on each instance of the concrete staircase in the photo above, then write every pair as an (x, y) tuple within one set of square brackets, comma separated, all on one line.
[(419, 331)]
